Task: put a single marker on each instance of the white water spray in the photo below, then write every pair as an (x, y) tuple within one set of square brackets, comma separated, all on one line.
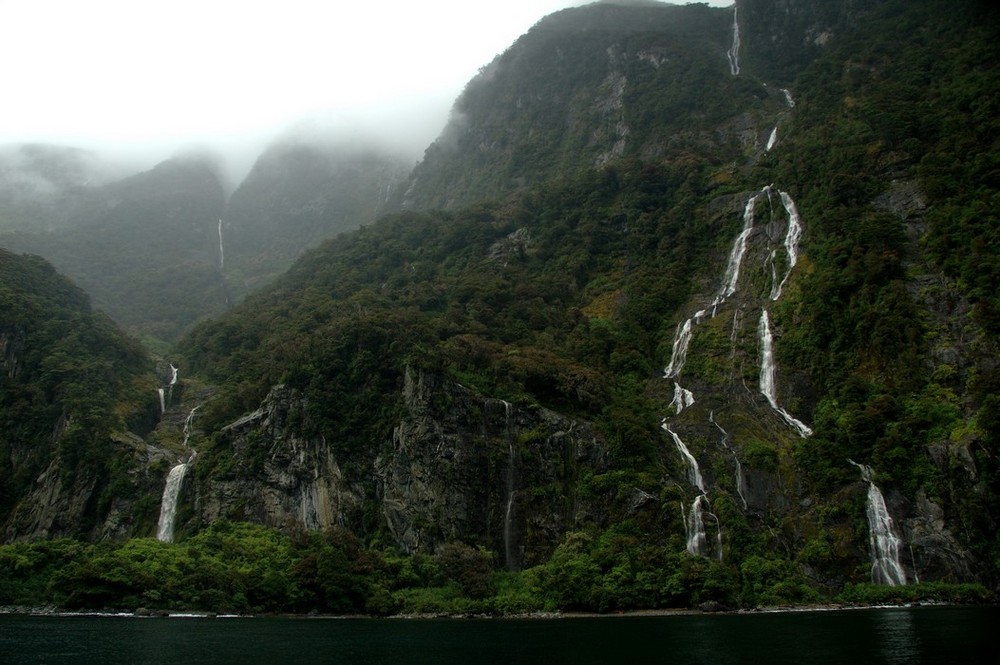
[(792, 236), (767, 371), (168, 504), (884, 544), (163, 399), (732, 274), (734, 51), (771, 140), (683, 398), (678, 356), (694, 473)]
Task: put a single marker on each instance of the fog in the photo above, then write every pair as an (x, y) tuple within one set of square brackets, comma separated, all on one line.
[(141, 81)]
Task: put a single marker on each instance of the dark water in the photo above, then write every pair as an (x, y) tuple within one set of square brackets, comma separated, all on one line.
[(918, 635)]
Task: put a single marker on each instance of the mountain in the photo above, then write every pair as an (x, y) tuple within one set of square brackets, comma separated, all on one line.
[(298, 194), (145, 247), (37, 181), (71, 384), (686, 307), (161, 249)]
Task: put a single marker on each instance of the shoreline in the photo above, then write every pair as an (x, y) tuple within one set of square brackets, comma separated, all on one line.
[(143, 613)]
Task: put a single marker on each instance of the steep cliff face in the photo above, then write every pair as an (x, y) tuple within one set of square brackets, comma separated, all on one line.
[(466, 468), (456, 467), (267, 471), (587, 86)]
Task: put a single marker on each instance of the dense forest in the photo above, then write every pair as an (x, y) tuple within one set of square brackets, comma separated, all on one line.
[(462, 407)]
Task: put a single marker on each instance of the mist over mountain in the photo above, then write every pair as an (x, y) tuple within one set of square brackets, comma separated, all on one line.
[(686, 307)]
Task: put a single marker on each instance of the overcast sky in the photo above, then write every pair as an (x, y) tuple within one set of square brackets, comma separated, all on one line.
[(138, 74)]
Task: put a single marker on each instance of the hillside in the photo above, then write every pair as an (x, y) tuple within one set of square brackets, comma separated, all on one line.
[(666, 321)]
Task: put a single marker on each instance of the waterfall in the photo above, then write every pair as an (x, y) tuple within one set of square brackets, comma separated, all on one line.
[(884, 544), (679, 353), (187, 425), (694, 527), (222, 255), (767, 370), (771, 140), (734, 51), (732, 274), (792, 237), (508, 517), (683, 398), (173, 374), (740, 478), (168, 504), (788, 98), (694, 473), (163, 399)]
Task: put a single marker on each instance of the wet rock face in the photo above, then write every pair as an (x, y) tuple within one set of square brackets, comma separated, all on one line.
[(457, 467), (281, 477), (484, 471)]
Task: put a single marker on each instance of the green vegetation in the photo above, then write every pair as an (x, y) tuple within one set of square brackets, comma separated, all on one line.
[(551, 282), (245, 568), (69, 380)]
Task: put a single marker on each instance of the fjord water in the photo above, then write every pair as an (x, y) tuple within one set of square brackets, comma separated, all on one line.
[(897, 635)]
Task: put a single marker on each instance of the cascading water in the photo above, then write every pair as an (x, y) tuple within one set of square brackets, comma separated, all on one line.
[(163, 399), (792, 236), (767, 371), (771, 140), (683, 398), (172, 489), (678, 356), (884, 544), (788, 98), (732, 274), (694, 473), (734, 51), (694, 520), (173, 374), (168, 504)]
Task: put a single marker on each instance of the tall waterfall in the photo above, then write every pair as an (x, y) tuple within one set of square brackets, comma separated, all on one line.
[(678, 356), (173, 374), (884, 544), (734, 51), (168, 504), (163, 399), (508, 516), (222, 254), (767, 371), (792, 236)]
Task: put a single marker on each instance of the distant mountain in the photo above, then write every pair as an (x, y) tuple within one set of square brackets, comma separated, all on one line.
[(39, 182), (296, 195), (144, 247)]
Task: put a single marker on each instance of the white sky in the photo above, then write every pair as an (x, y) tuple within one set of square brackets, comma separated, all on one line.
[(135, 74)]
